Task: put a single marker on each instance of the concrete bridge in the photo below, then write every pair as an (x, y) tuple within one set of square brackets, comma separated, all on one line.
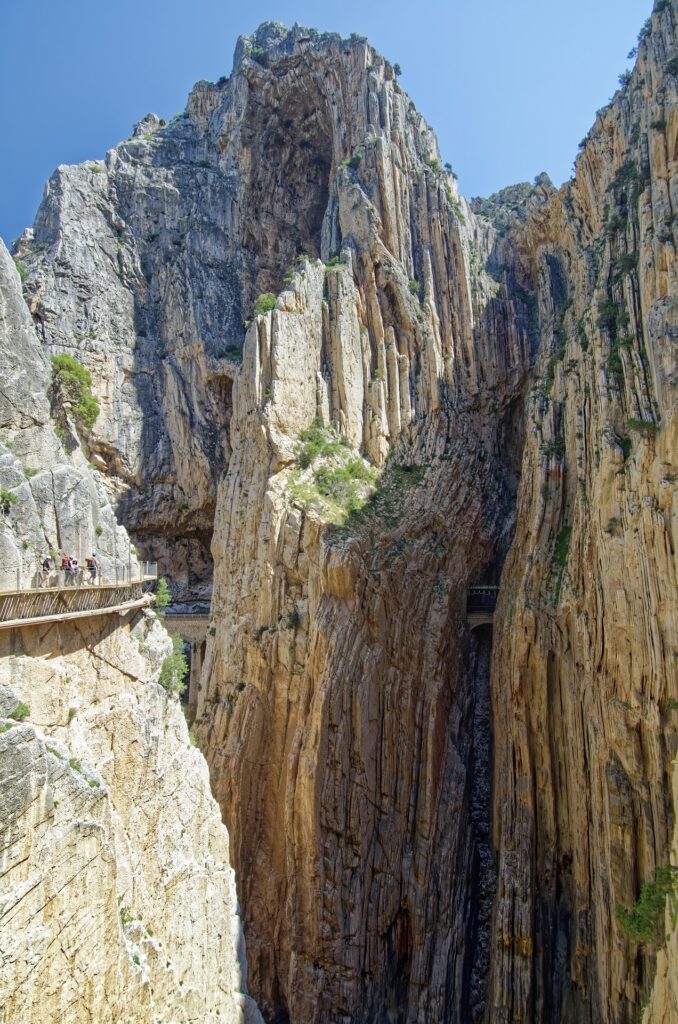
[(192, 628)]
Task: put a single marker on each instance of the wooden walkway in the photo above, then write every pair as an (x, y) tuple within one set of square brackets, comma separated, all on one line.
[(24, 608)]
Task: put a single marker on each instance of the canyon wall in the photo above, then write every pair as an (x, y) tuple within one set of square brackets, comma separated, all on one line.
[(585, 637), (429, 822), (117, 899), (344, 706)]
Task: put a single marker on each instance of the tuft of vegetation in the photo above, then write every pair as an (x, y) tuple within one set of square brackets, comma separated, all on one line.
[(174, 668), (624, 79), (387, 503), (562, 548), (397, 70), (414, 286), (624, 264), (22, 269), (341, 484), (6, 726), (319, 441), (672, 67), (126, 916), (561, 551), (556, 448), (7, 499), (264, 304), (335, 490), (626, 446), (20, 712), (608, 315), (71, 387), (334, 261), (162, 596), (644, 921), (643, 426)]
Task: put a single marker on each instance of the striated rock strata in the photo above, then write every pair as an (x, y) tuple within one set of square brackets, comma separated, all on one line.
[(585, 638), (117, 899), (344, 710), (429, 823)]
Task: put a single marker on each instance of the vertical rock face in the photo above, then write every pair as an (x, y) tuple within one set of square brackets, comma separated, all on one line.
[(429, 823), (584, 666), (345, 709), (117, 899), (51, 503)]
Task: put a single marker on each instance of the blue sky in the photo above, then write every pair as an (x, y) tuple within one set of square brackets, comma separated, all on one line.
[(510, 88)]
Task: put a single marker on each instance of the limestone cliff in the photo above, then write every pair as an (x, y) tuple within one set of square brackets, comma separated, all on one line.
[(52, 501), (585, 638), (344, 711), (429, 823), (117, 899)]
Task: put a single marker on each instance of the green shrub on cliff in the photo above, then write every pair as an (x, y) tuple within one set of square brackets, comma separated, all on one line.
[(319, 441), (264, 304), (7, 499), (162, 596), (644, 921), (174, 669), (71, 386), (20, 712)]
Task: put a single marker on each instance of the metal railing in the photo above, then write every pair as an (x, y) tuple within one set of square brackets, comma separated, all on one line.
[(481, 599), (62, 579)]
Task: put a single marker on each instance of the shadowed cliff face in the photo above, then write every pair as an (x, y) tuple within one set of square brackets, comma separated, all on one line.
[(584, 667), (427, 823)]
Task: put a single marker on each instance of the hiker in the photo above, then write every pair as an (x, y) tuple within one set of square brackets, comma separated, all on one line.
[(70, 572), (92, 566), (77, 580), (45, 572), (66, 569)]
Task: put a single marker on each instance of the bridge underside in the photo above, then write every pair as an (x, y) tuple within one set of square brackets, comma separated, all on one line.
[(482, 618), (193, 631)]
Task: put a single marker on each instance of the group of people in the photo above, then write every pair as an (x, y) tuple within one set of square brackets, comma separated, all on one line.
[(70, 568)]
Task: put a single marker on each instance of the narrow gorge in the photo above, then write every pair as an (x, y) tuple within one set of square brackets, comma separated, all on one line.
[(334, 397)]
